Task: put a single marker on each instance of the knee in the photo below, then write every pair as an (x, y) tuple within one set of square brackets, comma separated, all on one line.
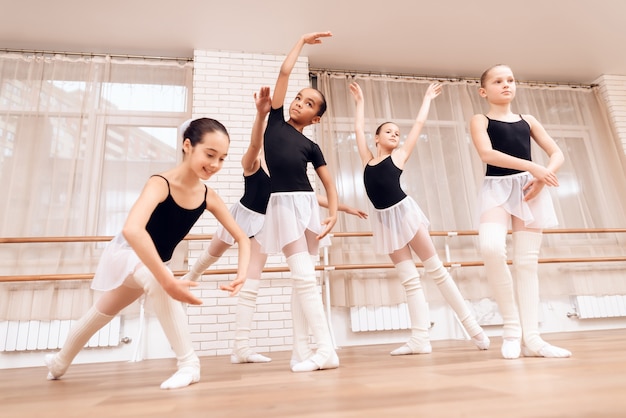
[(492, 247)]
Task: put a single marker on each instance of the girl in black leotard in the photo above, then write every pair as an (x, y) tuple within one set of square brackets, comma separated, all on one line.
[(292, 223), (399, 224), (249, 213), (513, 192), (136, 261)]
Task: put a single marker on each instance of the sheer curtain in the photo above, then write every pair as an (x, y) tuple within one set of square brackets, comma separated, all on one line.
[(79, 135), (444, 175)]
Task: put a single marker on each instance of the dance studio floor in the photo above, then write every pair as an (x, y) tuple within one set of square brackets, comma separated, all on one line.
[(456, 380)]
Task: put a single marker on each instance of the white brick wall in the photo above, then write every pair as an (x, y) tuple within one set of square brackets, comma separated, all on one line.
[(223, 87), (613, 91)]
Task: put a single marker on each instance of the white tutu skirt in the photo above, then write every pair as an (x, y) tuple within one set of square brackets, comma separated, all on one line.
[(506, 192), (288, 216), (395, 226), (117, 262), (250, 221)]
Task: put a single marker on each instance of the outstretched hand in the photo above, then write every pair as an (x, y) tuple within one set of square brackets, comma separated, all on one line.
[(263, 100), (356, 212), (313, 38), (233, 287), (179, 290), (356, 91), (433, 90)]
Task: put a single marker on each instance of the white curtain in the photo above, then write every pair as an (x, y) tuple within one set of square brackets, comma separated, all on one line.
[(79, 136), (444, 175)]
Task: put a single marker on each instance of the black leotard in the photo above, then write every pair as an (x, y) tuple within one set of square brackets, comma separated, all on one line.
[(512, 138), (287, 153), (170, 223), (382, 183)]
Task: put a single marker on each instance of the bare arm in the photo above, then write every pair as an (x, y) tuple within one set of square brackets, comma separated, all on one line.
[(323, 202), (405, 151), (216, 206), (154, 192), (280, 90), (331, 192), (550, 147), (251, 161), (482, 143), (359, 124)]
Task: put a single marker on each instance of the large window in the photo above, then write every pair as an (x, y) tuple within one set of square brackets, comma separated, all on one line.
[(78, 139), (444, 172)]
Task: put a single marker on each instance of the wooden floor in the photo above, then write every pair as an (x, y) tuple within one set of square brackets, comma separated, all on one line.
[(456, 380)]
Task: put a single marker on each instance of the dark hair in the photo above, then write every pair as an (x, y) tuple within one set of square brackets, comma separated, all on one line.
[(198, 127), (381, 126), (485, 74), (323, 105)]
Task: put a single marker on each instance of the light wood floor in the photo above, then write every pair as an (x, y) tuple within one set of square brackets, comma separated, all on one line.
[(456, 380)]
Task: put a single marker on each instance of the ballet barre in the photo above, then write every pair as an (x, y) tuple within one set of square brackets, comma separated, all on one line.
[(324, 267)]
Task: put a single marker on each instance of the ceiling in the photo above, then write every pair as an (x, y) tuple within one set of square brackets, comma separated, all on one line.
[(571, 41)]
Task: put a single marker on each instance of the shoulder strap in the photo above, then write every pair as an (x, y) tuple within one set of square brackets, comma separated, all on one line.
[(168, 183)]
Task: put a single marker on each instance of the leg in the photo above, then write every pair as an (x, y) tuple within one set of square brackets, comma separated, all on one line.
[(246, 305), (423, 246), (301, 340), (419, 343), (492, 239), (310, 301), (98, 316), (206, 259), (526, 245), (173, 320)]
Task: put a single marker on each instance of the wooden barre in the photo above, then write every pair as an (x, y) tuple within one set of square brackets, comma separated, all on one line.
[(200, 237), (284, 269), (81, 238)]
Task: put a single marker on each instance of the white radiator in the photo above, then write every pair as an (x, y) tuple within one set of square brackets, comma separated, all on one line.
[(50, 335), (600, 306), (379, 318)]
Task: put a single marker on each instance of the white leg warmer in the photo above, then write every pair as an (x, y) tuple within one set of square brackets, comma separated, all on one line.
[(79, 335), (492, 237), (199, 267), (448, 288), (173, 320), (419, 343), (526, 246), (246, 305), (301, 339), (310, 301)]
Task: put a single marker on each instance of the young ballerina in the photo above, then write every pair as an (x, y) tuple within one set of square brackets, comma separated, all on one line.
[(249, 213), (513, 191), (136, 260), (292, 222), (399, 225)]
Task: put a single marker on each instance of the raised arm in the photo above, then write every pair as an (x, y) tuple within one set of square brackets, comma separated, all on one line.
[(359, 124), (216, 206), (482, 143), (250, 161), (135, 233), (280, 90), (406, 149)]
